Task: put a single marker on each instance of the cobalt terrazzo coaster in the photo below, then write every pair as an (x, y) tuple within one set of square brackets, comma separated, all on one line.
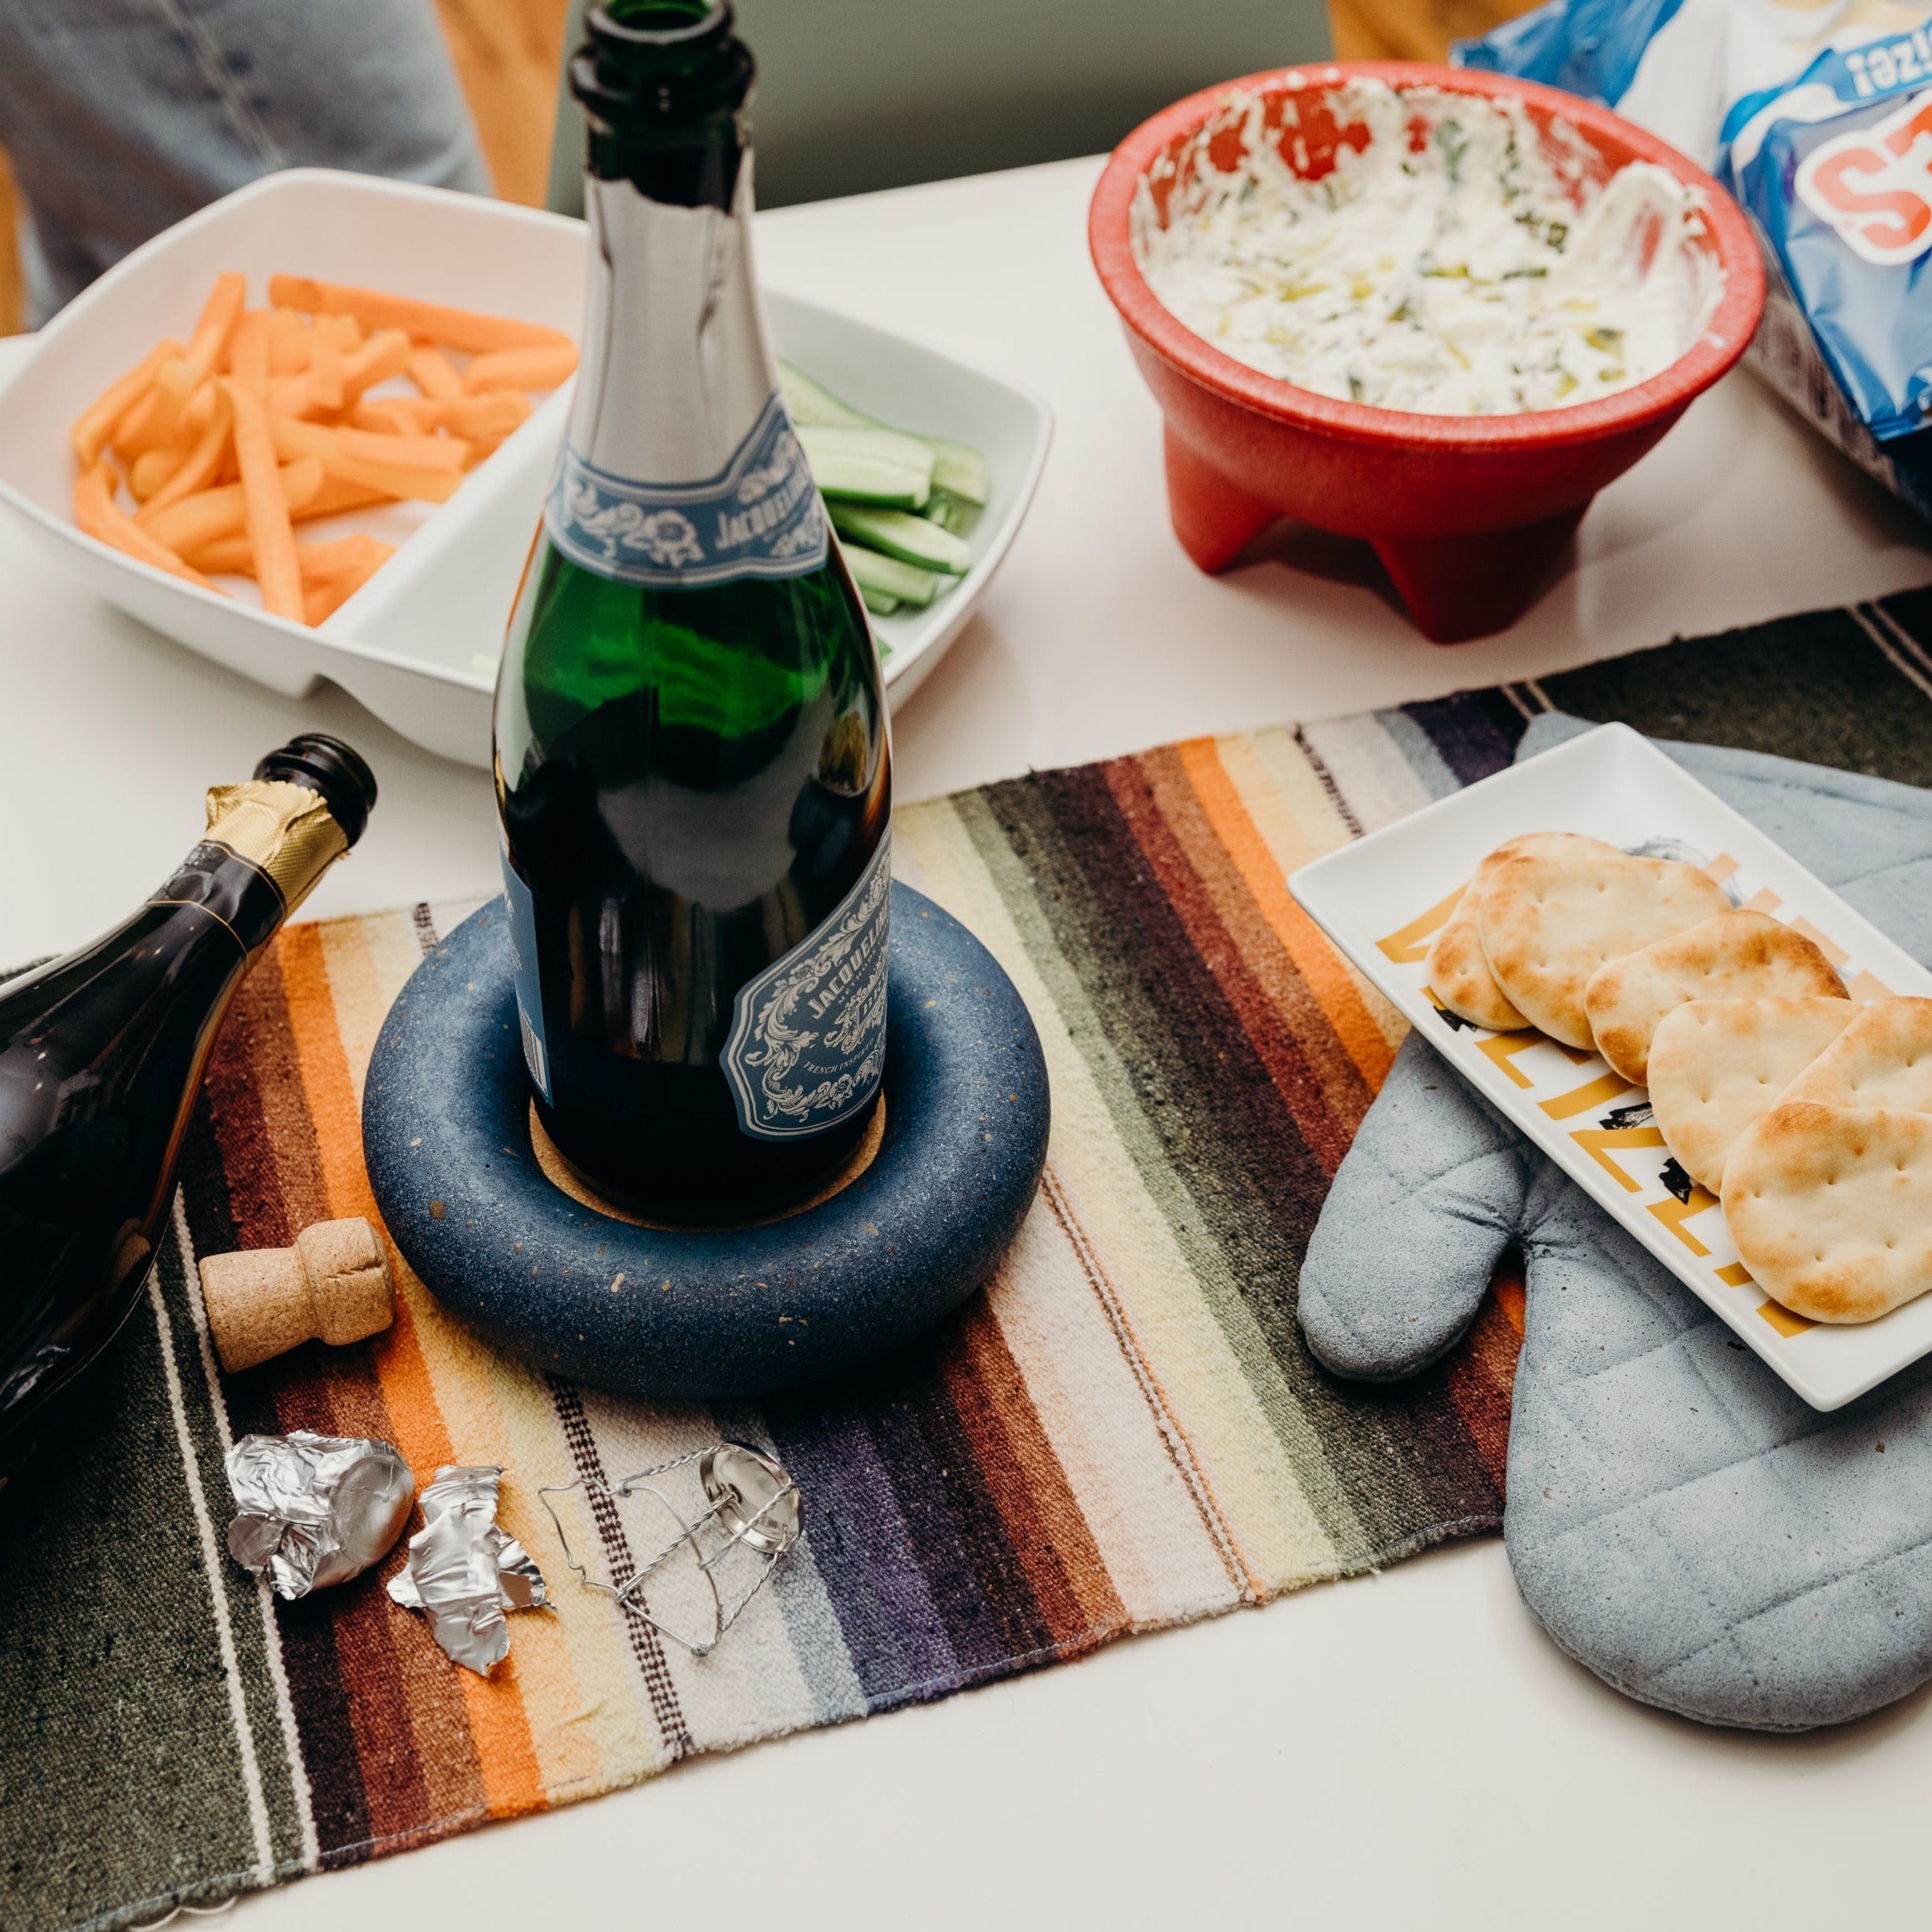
[(701, 1315)]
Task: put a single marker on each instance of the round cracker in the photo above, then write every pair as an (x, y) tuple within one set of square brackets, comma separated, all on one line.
[(1717, 1065), (1883, 1058), (1731, 955), (1549, 918), (1832, 1208)]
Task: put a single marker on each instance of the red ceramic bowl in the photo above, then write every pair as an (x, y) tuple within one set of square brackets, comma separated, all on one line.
[(1467, 512)]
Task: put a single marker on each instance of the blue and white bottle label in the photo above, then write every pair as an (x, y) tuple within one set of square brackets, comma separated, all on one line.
[(522, 912), (808, 1039), (759, 516)]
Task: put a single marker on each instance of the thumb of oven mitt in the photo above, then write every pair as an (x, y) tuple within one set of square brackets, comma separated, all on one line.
[(1679, 1519)]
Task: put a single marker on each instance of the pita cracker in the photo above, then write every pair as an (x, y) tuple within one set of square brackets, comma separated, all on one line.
[(1458, 971), (1549, 918), (1717, 1065), (1732, 955), (1883, 1058), (1832, 1208)]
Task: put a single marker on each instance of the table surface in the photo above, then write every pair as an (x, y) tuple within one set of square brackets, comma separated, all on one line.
[(1407, 1750)]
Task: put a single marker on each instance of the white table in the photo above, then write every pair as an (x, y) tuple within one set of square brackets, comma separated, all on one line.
[(1407, 1750)]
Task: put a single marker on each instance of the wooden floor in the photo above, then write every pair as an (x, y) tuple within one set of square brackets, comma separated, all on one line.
[(508, 51)]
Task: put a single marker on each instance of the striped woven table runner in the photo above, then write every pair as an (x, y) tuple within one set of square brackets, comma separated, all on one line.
[(1125, 1432)]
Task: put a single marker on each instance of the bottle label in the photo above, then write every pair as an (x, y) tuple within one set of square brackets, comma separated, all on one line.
[(529, 995), (807, 1040), (759, 516)]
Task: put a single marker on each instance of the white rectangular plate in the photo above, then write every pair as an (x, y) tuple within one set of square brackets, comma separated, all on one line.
[(415, 643), (1382, 899)]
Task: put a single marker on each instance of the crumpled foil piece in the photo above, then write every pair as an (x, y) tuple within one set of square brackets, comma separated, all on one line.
[(315, 1510), (464, 1572)]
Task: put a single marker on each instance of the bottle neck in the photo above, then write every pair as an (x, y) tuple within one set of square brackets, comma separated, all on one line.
[(268, 841), (680, 468)]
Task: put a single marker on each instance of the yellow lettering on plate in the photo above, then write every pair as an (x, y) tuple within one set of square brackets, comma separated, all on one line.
[(1500, 1046), (1595, 1141), (1581, 1100), (1673, 1213), (1412, 943), (1783, 1321), (1867, 987), (1736, 1276)]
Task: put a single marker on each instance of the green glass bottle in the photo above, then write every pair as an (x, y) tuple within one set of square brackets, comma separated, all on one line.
[(692, 764)]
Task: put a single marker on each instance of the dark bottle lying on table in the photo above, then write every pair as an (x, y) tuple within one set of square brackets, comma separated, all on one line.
[(692, 758), (101, 1056)]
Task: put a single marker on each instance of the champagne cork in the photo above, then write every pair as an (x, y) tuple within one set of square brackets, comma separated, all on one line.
[(332, 1285)]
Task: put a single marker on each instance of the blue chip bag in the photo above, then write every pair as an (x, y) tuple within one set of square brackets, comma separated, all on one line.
[(1819, 120)]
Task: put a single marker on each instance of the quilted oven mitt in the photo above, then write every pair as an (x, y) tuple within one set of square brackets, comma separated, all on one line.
[(1678, 1519)]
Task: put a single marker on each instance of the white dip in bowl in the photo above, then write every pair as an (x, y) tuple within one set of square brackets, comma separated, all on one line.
[(1460, 262)]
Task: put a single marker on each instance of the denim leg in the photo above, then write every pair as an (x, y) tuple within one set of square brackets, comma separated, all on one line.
[(122, 116)]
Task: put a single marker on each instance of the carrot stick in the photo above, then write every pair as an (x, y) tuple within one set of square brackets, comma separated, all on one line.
[(335, 496), (203, 459), (270, 528), (97, 514), (319, 563), (102, 416), (326, 371), (459, 328), (494, 414), (328, 584), (217, 323), (416, 466), (156, 418), (345, 329), (533, 368), (200, 411), (384, 354), (247, 352), (287, 342), (390, 415), (430, 371), (198, 519), (154, 468)]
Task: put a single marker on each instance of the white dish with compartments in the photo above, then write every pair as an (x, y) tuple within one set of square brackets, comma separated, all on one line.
[(1382, 900), (413, 644)]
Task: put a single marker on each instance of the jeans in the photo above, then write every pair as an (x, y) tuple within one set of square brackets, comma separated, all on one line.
[(122, 116)]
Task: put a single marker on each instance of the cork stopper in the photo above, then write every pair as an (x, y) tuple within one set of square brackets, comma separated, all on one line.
[(332, 1285)]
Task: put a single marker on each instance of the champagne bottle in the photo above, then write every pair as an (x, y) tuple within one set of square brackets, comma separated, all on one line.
[(692, 765), (101, 1056)]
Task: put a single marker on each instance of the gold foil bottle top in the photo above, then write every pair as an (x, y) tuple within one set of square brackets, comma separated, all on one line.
[(285, 830)]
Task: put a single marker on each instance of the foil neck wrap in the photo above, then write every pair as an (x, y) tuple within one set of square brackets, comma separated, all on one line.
[(285, 831)]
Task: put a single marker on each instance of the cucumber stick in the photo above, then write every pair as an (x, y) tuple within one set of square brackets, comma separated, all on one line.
[(809, 404), (911, 539), (950, 512), (958, 467), (868, 466), (877, 575), (876, 601)]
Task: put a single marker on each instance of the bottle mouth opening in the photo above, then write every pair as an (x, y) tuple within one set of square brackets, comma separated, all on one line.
[(659, 23)]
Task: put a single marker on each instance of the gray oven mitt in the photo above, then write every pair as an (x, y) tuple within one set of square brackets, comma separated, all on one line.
[(1679, 1519)]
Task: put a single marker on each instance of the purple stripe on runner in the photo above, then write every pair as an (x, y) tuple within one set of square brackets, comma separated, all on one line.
[(864, 1549), (1474, 732)]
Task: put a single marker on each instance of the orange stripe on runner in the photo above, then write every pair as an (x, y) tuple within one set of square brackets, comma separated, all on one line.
[(1320, 965), (511, 1781)]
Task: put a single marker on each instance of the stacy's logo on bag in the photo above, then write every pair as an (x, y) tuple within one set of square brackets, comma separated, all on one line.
[(759, 516), (1875, 185), (807, 1040)]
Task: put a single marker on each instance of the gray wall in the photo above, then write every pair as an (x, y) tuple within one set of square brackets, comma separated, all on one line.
[(860, 94)]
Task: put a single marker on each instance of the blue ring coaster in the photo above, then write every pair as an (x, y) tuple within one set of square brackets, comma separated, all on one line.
[(708, 1315)]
